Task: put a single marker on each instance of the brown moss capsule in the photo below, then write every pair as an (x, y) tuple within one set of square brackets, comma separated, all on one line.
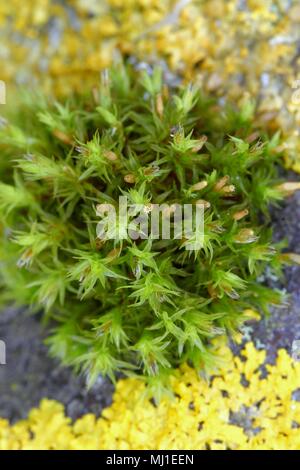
[(199, 186), (110, 155), (204, 203), (63, 137), (228, 190), (289, 187), (159, 105), (290, 258), (130, 178), (252, 137), (199, 144), (221, 183), (240, 214), (246, 235)]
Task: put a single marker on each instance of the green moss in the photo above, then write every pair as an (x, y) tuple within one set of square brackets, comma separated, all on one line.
[(145, 305)]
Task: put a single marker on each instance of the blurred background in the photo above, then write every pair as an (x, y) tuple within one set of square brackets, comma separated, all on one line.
[(232, 48)]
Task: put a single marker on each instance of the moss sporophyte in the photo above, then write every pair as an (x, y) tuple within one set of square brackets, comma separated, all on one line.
[(124, 303)]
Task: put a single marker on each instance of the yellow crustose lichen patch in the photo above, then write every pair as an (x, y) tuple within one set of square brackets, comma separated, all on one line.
[(231, 47), (237, 409)]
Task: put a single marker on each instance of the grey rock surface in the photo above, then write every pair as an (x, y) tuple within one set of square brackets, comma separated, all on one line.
[(282, 327), (30, 375)]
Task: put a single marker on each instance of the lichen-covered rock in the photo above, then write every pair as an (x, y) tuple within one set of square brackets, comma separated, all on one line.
[(236, 409)]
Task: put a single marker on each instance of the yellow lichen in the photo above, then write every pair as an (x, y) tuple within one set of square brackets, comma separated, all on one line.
[(239, 408)]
